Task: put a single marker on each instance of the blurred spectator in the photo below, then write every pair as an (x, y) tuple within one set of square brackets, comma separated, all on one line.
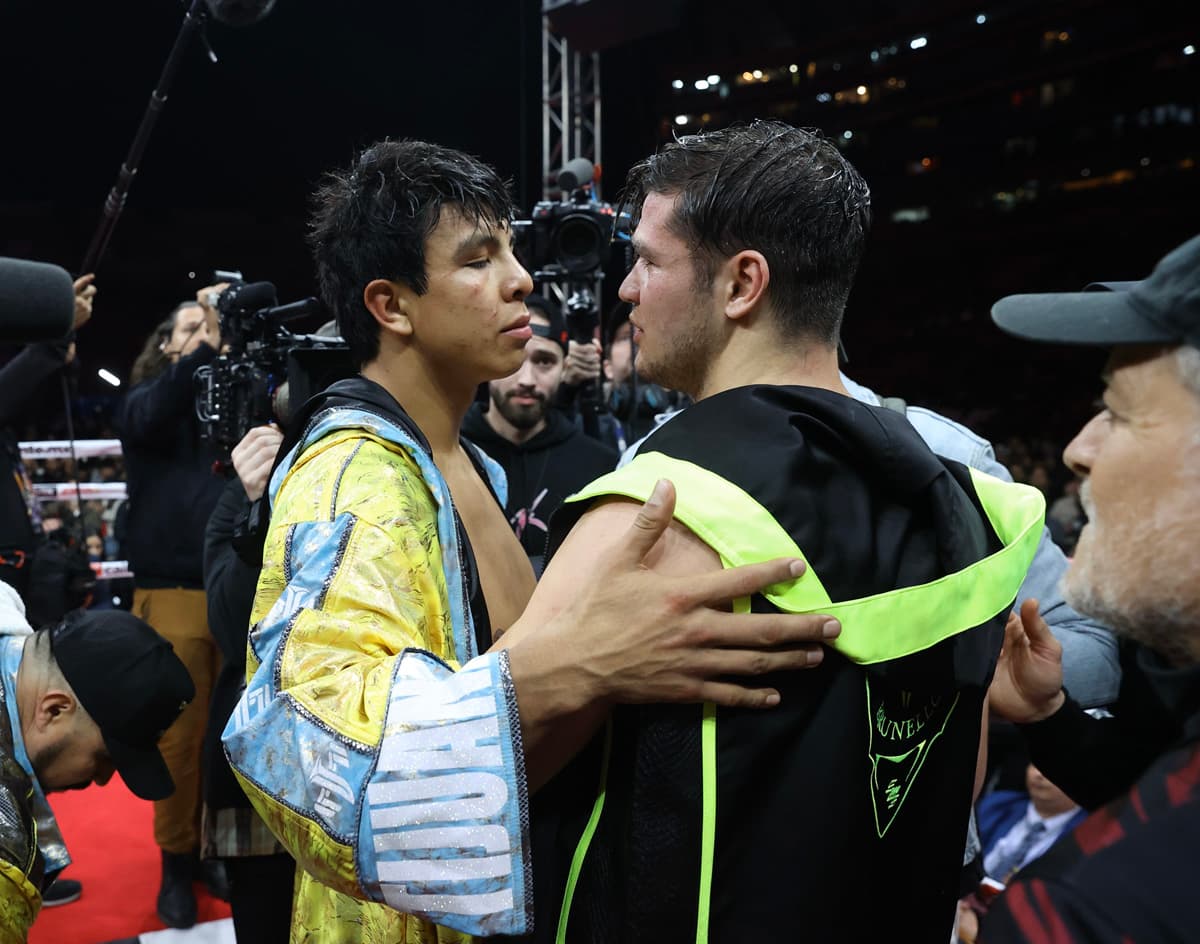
[(172, 491), (544, 456), (1017, 827)]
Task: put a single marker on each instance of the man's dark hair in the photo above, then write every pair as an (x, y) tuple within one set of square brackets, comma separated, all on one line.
[(785, 192), (372, 220)]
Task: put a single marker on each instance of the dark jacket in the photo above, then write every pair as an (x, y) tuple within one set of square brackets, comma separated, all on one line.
[(841, 815), (21, 382), (1129, 872), (229, 589), (172, 485), (541, 472)]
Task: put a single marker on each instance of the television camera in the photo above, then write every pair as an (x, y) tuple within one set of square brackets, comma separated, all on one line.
[(263, 366), (567, 244)]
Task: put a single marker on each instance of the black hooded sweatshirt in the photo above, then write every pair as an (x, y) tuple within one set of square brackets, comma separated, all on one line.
[(541, 472)]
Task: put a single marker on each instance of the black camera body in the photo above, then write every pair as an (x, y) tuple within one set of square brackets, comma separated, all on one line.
[(263, 366), (566, 241)]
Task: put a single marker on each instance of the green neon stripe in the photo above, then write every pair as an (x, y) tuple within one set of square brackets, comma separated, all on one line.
[(876, 628), (585, 840), (708, 824)]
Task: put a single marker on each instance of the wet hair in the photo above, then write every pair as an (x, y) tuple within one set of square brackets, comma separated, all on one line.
[(786, 192), (372, 220)]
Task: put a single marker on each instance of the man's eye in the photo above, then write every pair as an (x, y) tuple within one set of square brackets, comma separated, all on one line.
[(479, 264)]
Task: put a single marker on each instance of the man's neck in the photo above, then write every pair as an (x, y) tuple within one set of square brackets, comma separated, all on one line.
[(436, 404), (506, 430), (751, 360)]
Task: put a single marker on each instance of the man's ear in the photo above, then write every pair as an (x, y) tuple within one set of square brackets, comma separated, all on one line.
[(743, 280), (54, 707), (388, 302)]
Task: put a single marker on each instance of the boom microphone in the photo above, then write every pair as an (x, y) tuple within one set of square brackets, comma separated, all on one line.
[(578, 172), (239, 12), (37, 301)]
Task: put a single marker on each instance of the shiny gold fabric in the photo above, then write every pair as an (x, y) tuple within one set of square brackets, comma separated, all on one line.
[(387, 593)]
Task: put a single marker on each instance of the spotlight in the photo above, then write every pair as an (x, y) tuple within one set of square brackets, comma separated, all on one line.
[(677, 84), (109, 377), (682, 119), (981, 19), (918, 42), (702, 85)]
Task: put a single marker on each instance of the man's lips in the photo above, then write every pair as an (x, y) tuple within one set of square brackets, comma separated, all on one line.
[(519, 329)]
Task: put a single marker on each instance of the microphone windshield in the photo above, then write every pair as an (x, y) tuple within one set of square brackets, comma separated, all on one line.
[(239, 12), (247, 297), (37, 301), (578, 172)]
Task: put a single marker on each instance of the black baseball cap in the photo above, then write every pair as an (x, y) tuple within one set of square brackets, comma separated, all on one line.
[(1162, 309), (129, 680), (556, 330)]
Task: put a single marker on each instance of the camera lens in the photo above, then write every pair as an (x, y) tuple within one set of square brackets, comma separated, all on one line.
[(579, 244)]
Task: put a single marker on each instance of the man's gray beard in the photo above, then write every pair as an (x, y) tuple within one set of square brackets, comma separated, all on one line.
[(1162, 615)]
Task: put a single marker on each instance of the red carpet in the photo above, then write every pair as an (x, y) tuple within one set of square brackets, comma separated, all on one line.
[(110, 836)]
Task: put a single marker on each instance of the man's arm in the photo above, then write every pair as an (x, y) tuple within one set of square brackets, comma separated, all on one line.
[(621, 616), (1091, 760), (152, 408), (355, 732)]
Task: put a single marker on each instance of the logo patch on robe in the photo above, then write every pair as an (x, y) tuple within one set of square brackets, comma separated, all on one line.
[(904, 729)]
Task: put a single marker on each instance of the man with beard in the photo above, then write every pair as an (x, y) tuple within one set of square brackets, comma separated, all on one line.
[(78, 701), (545, 457), (698, 823), (1128, 872)]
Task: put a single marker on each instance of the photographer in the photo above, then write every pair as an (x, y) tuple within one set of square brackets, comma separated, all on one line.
[(172, 492)]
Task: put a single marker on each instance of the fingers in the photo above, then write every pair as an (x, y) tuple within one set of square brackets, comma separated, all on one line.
[(651, 522), (728, 695), (83, 282), (725, 586), (1036, 629), (773, 630), (723, 662)]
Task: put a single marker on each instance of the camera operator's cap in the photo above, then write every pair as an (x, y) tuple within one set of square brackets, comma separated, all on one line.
[(1162, 309), (128, 678), (548, 309)]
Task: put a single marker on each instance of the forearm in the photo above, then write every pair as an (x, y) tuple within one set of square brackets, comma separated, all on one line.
[(1091, 760), (560, 707), (167, 398), (449, 754)]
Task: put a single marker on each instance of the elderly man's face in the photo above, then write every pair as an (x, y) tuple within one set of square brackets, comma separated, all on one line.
[(1135, 566)]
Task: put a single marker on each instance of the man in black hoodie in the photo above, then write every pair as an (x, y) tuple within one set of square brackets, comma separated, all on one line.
[(544, 455), (172, 492)]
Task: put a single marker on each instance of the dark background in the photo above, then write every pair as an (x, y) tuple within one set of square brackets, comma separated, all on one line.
[(1060, 140)]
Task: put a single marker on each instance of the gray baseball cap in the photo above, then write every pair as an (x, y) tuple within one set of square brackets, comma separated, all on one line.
[(1162, 309)]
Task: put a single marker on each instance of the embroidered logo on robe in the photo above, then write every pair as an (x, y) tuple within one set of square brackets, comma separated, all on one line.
[(904, 729)]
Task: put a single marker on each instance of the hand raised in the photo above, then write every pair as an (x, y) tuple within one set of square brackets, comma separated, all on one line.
[(1028, 683)]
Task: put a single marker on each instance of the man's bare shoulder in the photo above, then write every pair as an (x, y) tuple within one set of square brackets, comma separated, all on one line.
[(678, 553)]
